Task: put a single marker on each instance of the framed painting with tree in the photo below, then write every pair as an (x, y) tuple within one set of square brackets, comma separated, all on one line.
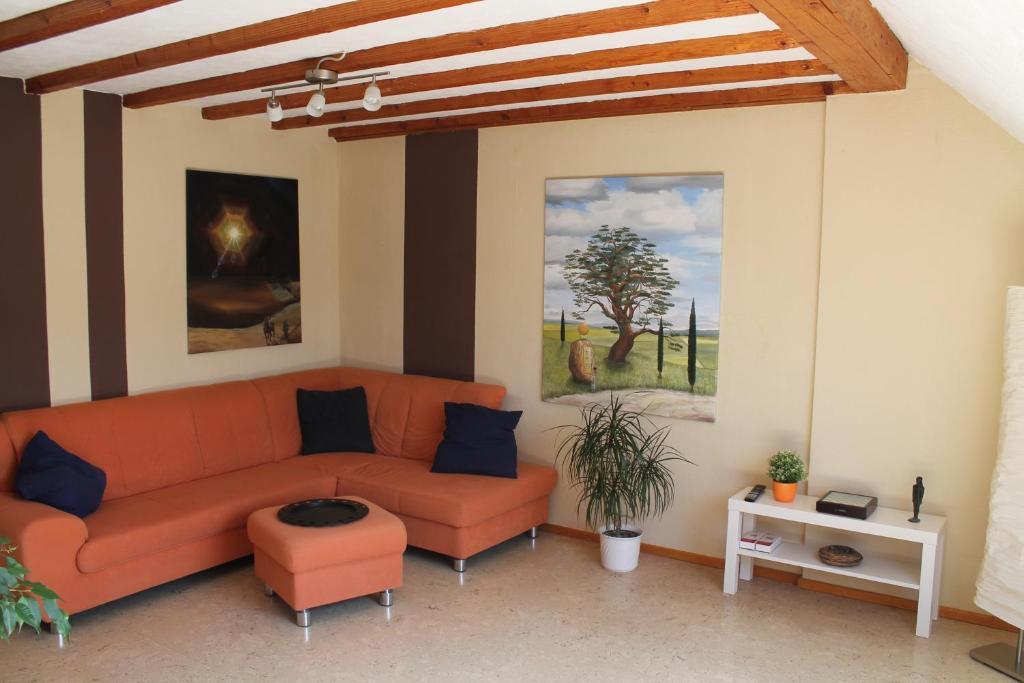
[(632, 287)]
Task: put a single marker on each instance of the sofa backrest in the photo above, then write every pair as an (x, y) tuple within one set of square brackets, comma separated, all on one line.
[(156, 440), (406, 411)]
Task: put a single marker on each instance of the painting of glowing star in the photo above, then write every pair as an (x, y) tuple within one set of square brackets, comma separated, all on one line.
[(242, 245), (632, 281)]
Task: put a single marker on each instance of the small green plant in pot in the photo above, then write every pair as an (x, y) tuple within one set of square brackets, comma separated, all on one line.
[(20, 598), (786, 470), (619, 464)]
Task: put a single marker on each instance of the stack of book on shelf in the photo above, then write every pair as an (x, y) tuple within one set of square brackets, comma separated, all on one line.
[(761, 541)]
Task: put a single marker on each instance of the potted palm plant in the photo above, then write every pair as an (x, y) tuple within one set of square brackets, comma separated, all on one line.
[(619, 465), (786, 470)]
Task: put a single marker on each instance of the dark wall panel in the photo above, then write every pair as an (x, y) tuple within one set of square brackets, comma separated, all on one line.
[(440, 254), (104, 241), (24, 358)]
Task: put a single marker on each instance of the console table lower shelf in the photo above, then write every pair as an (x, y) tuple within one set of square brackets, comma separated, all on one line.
[(923, 577)]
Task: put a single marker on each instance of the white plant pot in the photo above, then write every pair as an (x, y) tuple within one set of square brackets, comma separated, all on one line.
[(620, 554)]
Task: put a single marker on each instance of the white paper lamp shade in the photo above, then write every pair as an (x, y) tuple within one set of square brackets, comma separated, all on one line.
[(1000, 586)]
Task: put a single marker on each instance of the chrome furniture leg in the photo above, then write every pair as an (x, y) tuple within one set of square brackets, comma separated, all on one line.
[(532, 533), (302, 618), (458, 565), (386, 597), (268, 591)]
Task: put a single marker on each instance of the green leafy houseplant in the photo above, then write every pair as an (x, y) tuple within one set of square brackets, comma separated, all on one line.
[(20, 598), (786, 467), (619, 465)]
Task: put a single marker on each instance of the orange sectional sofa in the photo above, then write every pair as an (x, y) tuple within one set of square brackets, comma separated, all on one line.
[(186, 467)]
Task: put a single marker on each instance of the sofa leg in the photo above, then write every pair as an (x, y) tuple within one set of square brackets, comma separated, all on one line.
[(386, 597), (268, 591), (302, 618), (532, 533), (458, 565)]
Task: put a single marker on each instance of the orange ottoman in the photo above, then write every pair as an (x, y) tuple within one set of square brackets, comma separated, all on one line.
[(313, 566)]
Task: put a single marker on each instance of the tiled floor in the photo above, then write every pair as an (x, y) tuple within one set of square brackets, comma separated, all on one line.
[(522, 612)]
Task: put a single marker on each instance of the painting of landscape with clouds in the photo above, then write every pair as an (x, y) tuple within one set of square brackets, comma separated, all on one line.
[(632, 282)]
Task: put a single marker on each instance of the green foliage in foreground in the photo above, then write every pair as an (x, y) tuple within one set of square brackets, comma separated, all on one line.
[(20, 598), (639, 371), (619, 465), (786, 467)]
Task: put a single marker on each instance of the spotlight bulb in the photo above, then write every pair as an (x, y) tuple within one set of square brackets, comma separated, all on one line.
[(274, 111), (372, 98), (316, 104)]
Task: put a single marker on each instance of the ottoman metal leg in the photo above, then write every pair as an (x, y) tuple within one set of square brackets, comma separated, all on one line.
[(386, 597), (458, 565), (532, 533), (302, 618), (268, 591)]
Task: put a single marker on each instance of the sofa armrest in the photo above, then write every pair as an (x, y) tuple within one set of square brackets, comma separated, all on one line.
[(48, 539)]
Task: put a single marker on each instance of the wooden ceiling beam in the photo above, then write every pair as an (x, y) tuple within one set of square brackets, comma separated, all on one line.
[(654, 104), (530, 68), (600, 86), (67, 17), (650, 14), (849, 36), (269, 32)]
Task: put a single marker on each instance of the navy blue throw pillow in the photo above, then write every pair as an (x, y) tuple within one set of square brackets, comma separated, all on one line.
[(49, 474), (334, 421), (478, 440)]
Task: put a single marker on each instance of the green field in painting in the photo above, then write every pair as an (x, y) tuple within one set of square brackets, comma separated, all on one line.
[(639, 371)]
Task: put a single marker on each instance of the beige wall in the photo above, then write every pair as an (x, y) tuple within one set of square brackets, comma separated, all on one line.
[(914, 199), (159, 145), (771, 158), (371, 252), (67, 308), (923, 230)]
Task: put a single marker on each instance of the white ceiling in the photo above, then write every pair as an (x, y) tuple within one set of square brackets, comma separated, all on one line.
[(976, 46)]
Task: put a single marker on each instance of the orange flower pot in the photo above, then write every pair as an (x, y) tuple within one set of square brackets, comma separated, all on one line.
[(784, 493)]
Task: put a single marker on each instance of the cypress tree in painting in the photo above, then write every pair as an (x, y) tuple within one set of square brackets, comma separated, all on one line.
[(691, 347), (661, 345), (561, 331)]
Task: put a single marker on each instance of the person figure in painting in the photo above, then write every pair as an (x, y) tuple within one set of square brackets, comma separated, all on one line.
[(918, 498), (268, 330), (284, 332)]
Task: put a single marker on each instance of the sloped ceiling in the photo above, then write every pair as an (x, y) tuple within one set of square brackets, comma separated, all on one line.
[(977, 47)]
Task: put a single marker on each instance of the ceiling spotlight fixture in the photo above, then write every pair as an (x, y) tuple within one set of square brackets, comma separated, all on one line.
[(321, 77), (371, 98), (274, 111), (315, 108)]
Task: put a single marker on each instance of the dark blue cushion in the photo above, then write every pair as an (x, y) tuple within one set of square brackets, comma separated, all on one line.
[(478, 440), (49, 474), (334, 421)]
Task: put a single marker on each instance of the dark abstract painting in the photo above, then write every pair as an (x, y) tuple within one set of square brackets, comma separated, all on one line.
[(242, 250)]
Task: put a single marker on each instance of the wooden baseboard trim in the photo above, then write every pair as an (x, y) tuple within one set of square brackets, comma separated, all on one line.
[(683, 555), (953, 613)]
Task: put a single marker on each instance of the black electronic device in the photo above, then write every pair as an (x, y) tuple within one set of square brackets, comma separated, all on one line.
[(754, 494), (847, 504)]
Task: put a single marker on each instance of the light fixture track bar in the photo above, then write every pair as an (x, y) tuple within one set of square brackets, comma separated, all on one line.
[(307, 84)]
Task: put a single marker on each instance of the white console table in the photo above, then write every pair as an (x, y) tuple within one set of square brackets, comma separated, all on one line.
[(886, 522)]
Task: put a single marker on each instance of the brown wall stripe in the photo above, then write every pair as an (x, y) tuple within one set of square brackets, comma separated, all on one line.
[(440, 254), (24, 357), (104, 241)]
